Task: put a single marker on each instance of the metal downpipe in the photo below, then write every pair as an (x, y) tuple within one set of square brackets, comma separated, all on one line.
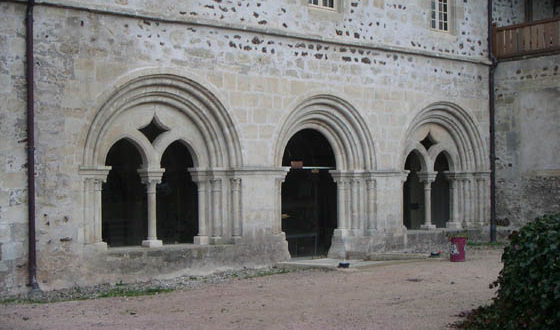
[(491, 101), (32, 255)]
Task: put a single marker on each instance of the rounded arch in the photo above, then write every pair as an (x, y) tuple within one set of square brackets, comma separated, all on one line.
[(421, 153), (470, 150), (162, 144), (339, 122), (448, 152), (203, 109), (137, 140)]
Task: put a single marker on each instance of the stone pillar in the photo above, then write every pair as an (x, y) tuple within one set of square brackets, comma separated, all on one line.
[(355, 220), (94, 177), (216, 220), (453, 222), (342, 184), (235, 207), (483, 197), (151, 178), (201, 177), (277, 228), (427, 179), (371, 216)]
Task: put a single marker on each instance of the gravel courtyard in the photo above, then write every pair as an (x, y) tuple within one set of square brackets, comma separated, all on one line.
[(425, 294)]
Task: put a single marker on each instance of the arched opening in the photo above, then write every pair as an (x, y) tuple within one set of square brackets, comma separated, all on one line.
[(177, 198), (124, 207), (309, 194), (440, 192), (413, 194)]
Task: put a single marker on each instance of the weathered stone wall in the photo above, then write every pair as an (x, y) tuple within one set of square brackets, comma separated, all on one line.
[(508, 12), (260, 59), (13, 159), (527, 135), (543, 9)]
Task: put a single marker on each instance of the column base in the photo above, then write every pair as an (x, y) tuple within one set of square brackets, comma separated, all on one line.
[(428, 227), (216, 240), (201, 240), (453, 225), (341, 232), (151, 243)]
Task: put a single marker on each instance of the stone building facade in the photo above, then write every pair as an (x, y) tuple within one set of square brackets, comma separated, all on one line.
[(527, 122), (130, 94)]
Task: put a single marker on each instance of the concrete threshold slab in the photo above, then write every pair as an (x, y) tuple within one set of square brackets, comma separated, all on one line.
[(333, 264)]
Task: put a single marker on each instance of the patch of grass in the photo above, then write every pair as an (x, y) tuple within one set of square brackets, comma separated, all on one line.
[(126, 292), (10, 301), (483, 244), (269, 272)]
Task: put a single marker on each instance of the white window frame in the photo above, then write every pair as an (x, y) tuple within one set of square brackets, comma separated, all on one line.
[(440, 13), (323, 4)]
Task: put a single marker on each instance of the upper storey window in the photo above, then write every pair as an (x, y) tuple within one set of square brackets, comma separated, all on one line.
[(440, 11), (328, 4)]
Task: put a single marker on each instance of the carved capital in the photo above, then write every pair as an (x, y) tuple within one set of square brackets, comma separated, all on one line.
[(427, 177), (151, 176)]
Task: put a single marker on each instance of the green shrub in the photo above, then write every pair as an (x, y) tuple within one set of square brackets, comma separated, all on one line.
[(528, 295)]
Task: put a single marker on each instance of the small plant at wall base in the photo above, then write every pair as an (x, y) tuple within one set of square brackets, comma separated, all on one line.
[(528, 293)]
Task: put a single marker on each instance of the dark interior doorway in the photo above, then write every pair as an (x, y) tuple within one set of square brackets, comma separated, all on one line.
[(413, 194), (124, 207), (177, 197), (440, 193), (309, 194)]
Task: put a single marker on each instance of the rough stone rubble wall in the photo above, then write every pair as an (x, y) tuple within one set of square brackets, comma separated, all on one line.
[(510, 12), (527, 136), (82, 57)]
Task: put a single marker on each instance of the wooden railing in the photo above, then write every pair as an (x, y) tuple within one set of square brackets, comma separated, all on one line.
[(527, 39)]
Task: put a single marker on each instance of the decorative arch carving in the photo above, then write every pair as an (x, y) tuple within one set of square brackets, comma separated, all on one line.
[(182, 94), (462, 128), (340, 123), (181, 110), (467, 155)]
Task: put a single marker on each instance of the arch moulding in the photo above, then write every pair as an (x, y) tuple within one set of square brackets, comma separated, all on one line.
[(195, 117)]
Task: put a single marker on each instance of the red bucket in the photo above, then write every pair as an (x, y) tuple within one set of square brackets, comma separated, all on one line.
[(457, 249)]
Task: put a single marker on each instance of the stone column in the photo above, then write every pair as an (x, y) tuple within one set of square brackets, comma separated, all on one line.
[(342, 192), (151, 178), (216, 220), (453, 222), (355, 220), (201, 177), (371, 218), (235, 207), (483, 197), (427, 179), (94, 177)]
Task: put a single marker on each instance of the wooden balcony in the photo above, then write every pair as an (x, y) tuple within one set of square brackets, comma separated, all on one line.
[(532, 38)]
